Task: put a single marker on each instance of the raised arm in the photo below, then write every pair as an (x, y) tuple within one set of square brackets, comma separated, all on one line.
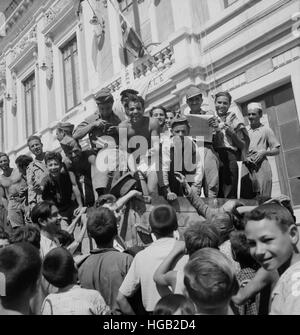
[(164, 276), (76, 190)]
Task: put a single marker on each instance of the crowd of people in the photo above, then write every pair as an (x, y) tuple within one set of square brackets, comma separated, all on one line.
[(61, 214)]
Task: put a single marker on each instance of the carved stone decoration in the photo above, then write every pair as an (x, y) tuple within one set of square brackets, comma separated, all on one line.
[(29, 38), (54, 10), (49, 60), (14, 93)]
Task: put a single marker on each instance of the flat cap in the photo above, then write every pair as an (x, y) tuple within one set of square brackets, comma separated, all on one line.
[(180, 120), (65, 126), (104, 96), (192, 92)]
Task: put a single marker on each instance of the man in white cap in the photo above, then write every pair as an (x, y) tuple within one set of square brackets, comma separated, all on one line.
[(263, 143)]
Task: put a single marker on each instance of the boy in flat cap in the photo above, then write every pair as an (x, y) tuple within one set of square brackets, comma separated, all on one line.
[(263, 143), (102, 123), (180, 154), (64, 129)]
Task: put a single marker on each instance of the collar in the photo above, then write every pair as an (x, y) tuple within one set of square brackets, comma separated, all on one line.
[(102, 250)]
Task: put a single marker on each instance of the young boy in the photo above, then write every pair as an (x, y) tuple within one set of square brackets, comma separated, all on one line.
[(210, 281), (104, 270), (59, 186), (273, 235), (59, 269), (20, 266)]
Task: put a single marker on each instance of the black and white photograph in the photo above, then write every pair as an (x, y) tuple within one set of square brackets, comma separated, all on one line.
[(149, 160)]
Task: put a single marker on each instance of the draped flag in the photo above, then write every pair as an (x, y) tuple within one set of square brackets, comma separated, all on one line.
[(131, 40)]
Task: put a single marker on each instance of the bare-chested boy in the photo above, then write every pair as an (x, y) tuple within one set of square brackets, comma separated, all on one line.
[(142, 140)]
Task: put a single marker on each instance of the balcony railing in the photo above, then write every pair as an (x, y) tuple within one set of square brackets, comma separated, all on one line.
[(158, 62)]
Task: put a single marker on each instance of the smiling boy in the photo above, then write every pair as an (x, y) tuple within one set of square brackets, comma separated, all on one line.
[(273, 235)]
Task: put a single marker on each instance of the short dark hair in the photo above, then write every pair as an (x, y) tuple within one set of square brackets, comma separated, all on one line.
[(102, 225), (209, 278), (224, 94), (33, 137), (201, 235), (41, 211), (135, 99), (104, 199), (53, 155), (64, 238), (20, 263), (241, 249), (29, 233), (274, 212), (169, 304), (59, 267), (163, 220), (158, 107), (23, 161), (4, 154)]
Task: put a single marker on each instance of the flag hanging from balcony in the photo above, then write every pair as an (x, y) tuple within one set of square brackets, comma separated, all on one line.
[(2, 25), (131, 41)]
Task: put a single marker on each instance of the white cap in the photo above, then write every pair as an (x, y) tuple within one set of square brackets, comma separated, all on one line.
[(254, 105)]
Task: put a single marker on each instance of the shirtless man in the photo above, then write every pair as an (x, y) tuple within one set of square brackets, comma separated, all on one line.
[(12, 186), (140, 131)]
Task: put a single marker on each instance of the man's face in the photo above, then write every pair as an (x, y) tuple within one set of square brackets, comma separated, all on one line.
[(135, 111), (160, 116), (181, 131), (52, 224), (75, 153), (60, 134), (269, 245), (105, 109), (36, 147), (169, 119), (4, 163), (222, 105), (254, 116), (53, 167), (195, 103)]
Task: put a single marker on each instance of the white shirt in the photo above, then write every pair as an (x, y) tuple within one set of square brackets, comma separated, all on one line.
[(46, 245), (142, 270), (75, 301)]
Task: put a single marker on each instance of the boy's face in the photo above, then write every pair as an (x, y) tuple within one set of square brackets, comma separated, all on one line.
[(53, 167), (169, 119), (4, 162), (269, 245), (36, 147), (180, 130), (135, 111), (52, 223), (160, 116), (105, 109), (195, 103)]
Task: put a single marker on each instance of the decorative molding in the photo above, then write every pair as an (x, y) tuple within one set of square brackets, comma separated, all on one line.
[(28, 40), (53, 12), (286, 57)]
